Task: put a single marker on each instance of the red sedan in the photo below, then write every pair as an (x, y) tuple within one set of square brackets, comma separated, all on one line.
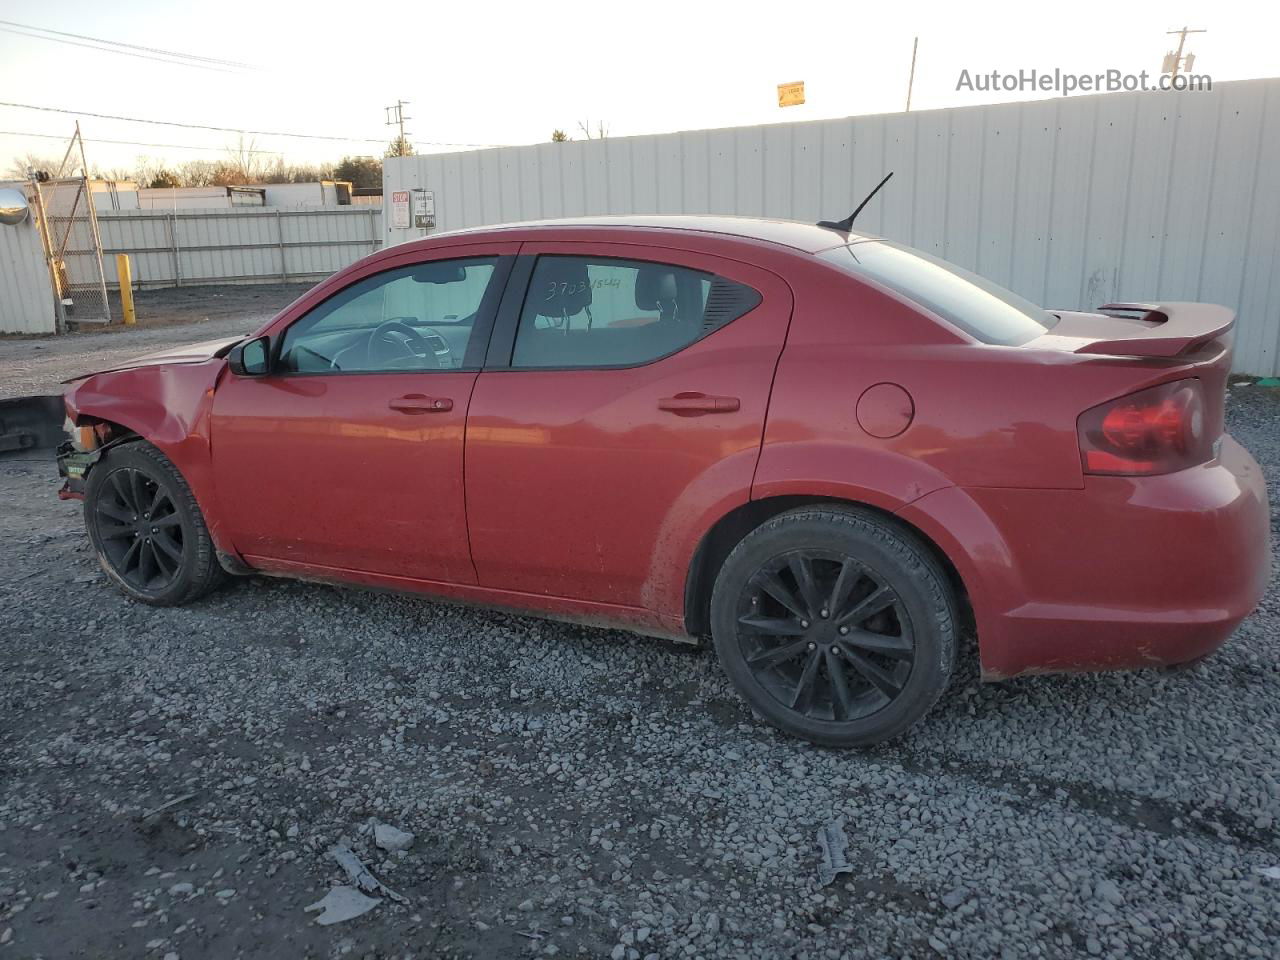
[(831, 453)]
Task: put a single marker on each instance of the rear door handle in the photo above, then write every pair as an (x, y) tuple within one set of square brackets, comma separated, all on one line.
[(418, 403), (690, 404)]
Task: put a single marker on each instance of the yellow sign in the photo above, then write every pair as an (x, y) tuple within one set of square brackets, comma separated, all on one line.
[(790, 94)]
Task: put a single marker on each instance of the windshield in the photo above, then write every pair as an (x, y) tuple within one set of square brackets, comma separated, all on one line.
[(982, 309)]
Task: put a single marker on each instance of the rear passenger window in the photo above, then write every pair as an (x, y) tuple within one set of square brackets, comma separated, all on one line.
[(581, 312)]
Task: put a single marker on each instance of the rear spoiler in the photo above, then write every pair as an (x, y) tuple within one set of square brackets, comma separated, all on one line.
[(1179, 328)]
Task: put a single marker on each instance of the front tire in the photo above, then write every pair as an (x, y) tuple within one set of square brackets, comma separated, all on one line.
[(835, 625), (147, 529)]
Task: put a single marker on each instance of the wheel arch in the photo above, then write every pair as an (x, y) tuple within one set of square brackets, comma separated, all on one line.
[(168, 406), (188, 565), (153, 402), (727, 532), (107, 430)]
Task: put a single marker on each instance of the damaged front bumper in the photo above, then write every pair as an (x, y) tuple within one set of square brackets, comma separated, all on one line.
[(73, 467)]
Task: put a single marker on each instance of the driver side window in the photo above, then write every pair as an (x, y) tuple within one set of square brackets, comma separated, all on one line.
[(409, 319)]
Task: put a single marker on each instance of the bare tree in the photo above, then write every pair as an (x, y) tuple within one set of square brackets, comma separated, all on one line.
[(281, 171), (243, 157), (120, 173), (601, 131), (245, 164), (21, 164), (144, 170), (278, 172), (164, 178), (225, 174), (196, 173)]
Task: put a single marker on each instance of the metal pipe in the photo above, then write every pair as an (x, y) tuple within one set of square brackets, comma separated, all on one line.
[(247, 279), (284, 273), (245, 212), (46, 242), (271, 245), (93, 227), (124, 277), (172, 223), (911, 81)]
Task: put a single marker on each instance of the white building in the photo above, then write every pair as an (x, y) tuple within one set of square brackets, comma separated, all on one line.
[(1071, 202)]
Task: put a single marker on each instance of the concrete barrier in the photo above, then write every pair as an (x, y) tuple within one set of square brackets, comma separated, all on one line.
[(30, 423)]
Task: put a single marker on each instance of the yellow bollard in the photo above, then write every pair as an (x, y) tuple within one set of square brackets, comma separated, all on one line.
[(125, 276)]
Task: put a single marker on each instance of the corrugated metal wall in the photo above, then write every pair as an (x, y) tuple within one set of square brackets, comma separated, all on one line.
[(1070, 202), (26, 294), (234, 246)]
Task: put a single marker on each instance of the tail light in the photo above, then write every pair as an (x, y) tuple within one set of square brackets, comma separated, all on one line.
[(1157, 430)]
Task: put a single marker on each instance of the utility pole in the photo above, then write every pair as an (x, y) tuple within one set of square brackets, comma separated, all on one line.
[(1173, 62), (396, 118), (911, 81)]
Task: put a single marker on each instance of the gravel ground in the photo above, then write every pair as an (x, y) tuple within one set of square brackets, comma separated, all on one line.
[(581, 792), (166, 318)]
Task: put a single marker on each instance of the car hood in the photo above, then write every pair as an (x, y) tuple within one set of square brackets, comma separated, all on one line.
[(186, 353)]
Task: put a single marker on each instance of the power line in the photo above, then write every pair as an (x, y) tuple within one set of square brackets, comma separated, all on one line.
[(127, 143), (133, 46), (186, 126), (141, 56), (202, 126)]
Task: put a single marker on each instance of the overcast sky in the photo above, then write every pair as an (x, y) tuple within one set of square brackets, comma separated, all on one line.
[(509, 73)]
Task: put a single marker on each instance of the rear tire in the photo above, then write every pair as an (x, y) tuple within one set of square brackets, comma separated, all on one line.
[(147, 529), (835, 625)]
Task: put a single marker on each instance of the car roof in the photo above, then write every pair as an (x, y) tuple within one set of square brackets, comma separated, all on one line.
[(806, 237)]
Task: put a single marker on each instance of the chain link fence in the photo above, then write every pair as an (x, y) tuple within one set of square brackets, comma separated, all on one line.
[(70, 228)]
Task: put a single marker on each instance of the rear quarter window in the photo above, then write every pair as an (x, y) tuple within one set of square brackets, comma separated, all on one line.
[(986, 311)]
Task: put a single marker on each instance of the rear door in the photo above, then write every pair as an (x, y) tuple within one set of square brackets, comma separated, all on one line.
[(625, 396), (348, 455)]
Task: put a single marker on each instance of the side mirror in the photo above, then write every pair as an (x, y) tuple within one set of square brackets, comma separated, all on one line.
[(251, 358)]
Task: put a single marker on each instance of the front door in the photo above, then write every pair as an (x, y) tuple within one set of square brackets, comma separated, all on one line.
[(348, 454), (635, 396)]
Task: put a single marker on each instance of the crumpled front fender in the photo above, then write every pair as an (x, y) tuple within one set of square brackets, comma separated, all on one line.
[(164, 404), (168, 406)]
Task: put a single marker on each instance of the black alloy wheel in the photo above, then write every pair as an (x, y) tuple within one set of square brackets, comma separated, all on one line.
[(138, 525), (147, 528), (826, 636), (835, 624)]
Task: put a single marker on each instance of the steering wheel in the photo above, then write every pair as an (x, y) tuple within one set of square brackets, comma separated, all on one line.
[(403, 340)]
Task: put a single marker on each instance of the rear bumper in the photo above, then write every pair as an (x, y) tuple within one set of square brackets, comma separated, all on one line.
[(1125, 573)]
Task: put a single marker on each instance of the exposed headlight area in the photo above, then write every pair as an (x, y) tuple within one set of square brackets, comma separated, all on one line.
[(83, 439)]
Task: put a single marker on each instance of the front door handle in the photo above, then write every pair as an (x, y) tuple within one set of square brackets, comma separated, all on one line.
[(692, 404), (418, 403)]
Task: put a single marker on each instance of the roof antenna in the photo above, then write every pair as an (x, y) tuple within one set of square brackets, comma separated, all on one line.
[(845, 225)]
